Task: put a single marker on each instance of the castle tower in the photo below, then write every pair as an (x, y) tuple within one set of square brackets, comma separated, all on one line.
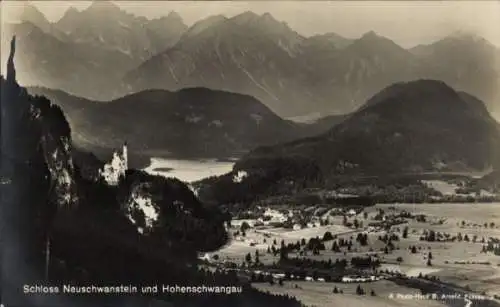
[(125, 155)]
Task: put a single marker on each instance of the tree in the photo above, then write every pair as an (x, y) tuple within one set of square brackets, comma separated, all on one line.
[(432, 236), (362, 238), (405, 232), (283, 254), (248, 258), (335, 247), (359, 290), (244, 227), (327, 236)]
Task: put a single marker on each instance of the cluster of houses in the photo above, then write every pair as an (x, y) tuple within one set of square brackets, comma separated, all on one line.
[(357, 279), (344, 279)]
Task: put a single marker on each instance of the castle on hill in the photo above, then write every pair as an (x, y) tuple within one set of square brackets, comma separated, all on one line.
[(114, 170)]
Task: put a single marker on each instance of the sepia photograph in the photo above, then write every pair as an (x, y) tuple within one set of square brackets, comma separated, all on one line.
[(250, 153)]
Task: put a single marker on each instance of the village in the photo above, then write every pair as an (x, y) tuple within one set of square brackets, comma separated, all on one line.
[(364, 250)]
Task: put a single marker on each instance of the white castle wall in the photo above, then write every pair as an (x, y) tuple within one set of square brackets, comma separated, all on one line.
[(116, 168)]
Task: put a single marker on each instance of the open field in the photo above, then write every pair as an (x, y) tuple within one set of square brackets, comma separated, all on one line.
[(475, 212), (238, 248), (461, 263), (320, 294)]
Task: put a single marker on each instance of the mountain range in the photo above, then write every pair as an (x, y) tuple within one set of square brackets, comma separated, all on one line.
[(86, 55), (414, 127), (192, 122)]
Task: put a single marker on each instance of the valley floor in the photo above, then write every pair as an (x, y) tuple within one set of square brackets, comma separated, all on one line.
[(462, 264)]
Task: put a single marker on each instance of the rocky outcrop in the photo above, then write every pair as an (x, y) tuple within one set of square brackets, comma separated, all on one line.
[(166, 208), (36, 159)]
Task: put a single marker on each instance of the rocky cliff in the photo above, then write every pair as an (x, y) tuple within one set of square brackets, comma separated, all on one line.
[(37, 164)]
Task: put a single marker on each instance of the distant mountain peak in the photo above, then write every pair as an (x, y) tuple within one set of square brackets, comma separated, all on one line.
[(267, 16), (464, 35), (268, 20), (30, 11), (33, 15), (204, 24), (174, 15), (372, 37), (370, 34), (103, 5), (172, 18), (245, 17)]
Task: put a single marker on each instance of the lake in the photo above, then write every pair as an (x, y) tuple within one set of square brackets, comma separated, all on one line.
[(188, 170)]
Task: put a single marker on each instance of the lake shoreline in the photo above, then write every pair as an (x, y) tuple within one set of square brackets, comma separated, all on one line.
[(188, 170)]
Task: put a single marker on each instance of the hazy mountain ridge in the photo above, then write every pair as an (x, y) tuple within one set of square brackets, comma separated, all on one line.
[(250, 54), (85, 54), (228, 54), (295, 75), (413, 127), (137, 37), (191, 122)]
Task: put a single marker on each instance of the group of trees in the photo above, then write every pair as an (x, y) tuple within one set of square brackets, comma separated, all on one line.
[(433, 236), (307, 263), (362, 239), (365, 262), (492, 246), (388, 238), (341, 243), (361, 291)]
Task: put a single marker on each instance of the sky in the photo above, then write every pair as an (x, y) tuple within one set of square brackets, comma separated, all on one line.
[(408, 23)]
